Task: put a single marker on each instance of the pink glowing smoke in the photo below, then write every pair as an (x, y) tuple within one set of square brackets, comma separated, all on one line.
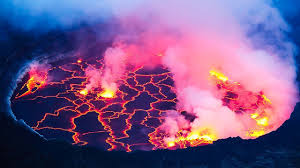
[(39, 71), (111, 72), (239, 38)]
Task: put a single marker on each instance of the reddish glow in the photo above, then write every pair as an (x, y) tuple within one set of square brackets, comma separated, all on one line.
[(37, 79), (256, 133), (105, 116), (159, 139), (191, 139), (209, 75), (242, 101)]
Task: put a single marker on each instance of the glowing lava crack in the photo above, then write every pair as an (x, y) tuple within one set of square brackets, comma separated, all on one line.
[(128, 119)]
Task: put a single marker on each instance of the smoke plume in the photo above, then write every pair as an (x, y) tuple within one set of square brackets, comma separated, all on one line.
[(243, 41)]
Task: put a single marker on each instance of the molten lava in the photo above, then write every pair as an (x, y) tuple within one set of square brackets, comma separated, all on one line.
[(35, 82), (84, 92), (140, 104), (239, 100), (107, 94), (218, 75), (194, 138)]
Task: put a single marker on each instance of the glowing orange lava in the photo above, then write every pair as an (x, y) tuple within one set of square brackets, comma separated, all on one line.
[(107, 94), (218, 75), (118, 118), (191, 139), (237, 103), (34, 83), (84, 92)]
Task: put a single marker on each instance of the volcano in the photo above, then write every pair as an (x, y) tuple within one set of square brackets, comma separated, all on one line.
[(160, 84), (129, 119)]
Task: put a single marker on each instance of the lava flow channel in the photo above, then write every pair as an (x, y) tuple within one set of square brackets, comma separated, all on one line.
[(128, 119), (62, 108)]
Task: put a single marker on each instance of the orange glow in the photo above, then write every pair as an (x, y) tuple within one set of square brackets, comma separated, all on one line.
[(209, 138), (266, 99), (254, 115), (255, 133), (261, 117), (193, 139), (218, 75), (186, 138), (171, 144), (84, 92), (33, 84), (107, 94), (262, 121)]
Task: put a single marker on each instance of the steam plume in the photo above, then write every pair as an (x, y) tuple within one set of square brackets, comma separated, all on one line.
[(112, 73), (243, 40)]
